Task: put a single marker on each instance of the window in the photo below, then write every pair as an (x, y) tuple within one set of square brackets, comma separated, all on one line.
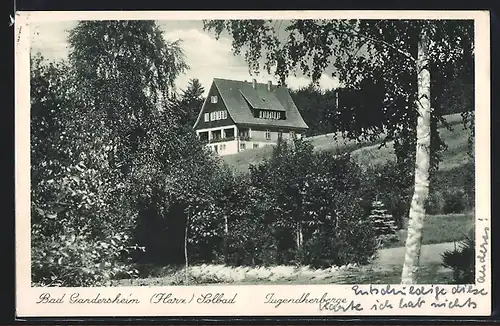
[(272, 115), (292, 135), (222, 147), (268, 134), (255, 145), (280, 134), (213, 99), (217, 115), (207, 117), (242, 146)]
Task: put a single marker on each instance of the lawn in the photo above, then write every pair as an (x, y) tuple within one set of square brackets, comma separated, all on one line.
[(441, 228), (366, 153)]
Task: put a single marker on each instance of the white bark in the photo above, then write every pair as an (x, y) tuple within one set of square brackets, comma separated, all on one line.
[(299, 236), (226, 235), (422, 163)]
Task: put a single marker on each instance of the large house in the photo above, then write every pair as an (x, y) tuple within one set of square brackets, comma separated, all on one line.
[(240, 115)]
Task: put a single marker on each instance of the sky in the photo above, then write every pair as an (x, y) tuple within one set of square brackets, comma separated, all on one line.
[(207, 57)]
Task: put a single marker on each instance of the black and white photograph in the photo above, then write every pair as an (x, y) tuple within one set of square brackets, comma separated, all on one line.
[(254, 151)]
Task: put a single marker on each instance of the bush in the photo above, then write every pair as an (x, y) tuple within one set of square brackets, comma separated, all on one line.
[(462, 261), (305, 207), (392, 185), (435, 203), (72, 258), (350, 243), (455, 201)]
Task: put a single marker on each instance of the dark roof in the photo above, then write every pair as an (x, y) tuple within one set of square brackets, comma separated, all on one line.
[(239, 97)]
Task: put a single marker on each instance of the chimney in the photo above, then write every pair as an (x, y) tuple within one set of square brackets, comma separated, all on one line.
[(254, 83), (269, 84)]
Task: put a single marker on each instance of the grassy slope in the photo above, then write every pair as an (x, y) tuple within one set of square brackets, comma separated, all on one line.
[(364, 152), (441, 228)]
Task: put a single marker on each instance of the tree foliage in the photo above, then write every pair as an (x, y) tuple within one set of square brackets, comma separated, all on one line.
[(77, 203), (191, 101), (318, 108), (126, 73), (104, 136)]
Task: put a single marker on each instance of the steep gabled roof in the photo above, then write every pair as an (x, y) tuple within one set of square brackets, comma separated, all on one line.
[(240, 97)]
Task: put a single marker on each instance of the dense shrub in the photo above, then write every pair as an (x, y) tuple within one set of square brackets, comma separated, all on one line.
[(392, 185), (462, 261), (435, 203), (70, 258), (455, 201), (300, 207)]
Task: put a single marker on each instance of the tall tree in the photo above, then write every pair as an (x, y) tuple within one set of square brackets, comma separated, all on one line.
[(423, 158), (317, 107), (80, 216), (126, 73), (191, 102), (390, 59)]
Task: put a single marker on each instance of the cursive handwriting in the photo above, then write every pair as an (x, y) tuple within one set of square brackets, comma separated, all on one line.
[(77, 298), (483, 250), (341, 306), (382, 306), (404, 290), (169, 298), (216, 298), (305, 298)]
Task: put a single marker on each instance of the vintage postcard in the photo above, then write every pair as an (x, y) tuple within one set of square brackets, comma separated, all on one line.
[(309, 163)]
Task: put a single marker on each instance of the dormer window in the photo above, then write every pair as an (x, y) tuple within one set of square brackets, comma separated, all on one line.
[(270, 115), (213, 99)]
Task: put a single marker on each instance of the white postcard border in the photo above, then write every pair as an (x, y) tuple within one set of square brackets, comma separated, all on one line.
[(250, 300)]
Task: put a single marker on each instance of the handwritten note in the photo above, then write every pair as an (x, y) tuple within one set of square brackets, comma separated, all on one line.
[(482, 256), (434, 296)]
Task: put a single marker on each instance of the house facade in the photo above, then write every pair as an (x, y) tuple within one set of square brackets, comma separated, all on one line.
[(238, 115)]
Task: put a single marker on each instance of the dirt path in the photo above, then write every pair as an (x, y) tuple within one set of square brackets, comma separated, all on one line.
[(430, 254)]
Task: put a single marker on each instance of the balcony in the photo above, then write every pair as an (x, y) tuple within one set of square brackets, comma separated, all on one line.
[(220, 140)]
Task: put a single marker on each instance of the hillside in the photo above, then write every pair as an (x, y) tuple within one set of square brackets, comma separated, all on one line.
[(367, 153)]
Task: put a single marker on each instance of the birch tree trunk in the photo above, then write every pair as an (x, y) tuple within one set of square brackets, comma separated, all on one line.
[(299, 237), (422, 162), (226, 234)]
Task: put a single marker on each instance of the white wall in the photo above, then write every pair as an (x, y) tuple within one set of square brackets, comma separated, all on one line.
[(228, 147)]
